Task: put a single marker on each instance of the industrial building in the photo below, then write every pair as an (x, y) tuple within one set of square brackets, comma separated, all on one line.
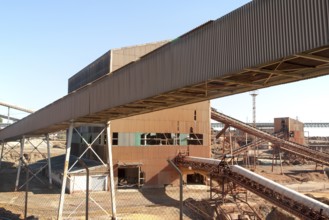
[(142, 144)]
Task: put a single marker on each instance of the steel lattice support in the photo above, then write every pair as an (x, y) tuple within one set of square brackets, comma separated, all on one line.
[(9, 148), (68, 173), (25, 155), (287, 146), (291, 201)]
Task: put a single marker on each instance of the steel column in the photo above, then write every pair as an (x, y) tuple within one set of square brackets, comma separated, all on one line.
[(8, 115), (2, 147), (20, 163), (180, 188), (49, 162), (280, 161), (87, 187), (66, 166), (110, 164)]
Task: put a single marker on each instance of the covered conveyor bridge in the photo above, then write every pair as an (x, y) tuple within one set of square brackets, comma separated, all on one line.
[(298, 204), (287, 146), (261, 44)]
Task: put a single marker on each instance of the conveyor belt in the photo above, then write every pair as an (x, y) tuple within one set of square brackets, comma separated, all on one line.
[(247, 147), (297, 204), (287, 146)]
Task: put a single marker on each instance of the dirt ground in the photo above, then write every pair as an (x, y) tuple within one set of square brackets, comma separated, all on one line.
[(162, 203), (149, 203)]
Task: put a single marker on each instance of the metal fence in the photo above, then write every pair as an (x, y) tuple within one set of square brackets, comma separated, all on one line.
[(38, 201)]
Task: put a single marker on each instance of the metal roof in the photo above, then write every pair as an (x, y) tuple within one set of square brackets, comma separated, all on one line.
[(264, 43)]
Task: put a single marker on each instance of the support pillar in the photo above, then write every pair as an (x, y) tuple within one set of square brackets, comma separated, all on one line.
[(66, 166), (280, 161), (8, 119), (110, 166), (20, 163), (272, 159), (2, 147), (180, 188), (210, 177), (49, 162), (223, 190)]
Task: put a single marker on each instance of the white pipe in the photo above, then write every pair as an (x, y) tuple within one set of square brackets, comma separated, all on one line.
[(110, 166), (65, 172), (49, 162), (289, 193)]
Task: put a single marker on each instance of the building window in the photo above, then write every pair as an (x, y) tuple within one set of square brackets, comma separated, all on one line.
[(195, 139), (158, 139)]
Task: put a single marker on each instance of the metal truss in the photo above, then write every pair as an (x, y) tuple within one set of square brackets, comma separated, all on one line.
[(68, 170), (287, 146), (25, 157), (222, 173), (10, 148)]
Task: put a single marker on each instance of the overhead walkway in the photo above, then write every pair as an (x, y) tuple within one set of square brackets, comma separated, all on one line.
[(288, 146), (295, 203), (256, 46)]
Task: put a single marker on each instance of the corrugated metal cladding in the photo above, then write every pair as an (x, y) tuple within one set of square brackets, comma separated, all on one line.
[(110, 61), (93, 71), (123, 56), (294, 129), (262, 31)]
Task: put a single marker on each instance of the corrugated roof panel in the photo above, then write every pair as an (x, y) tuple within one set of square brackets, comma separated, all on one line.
[(260, 33)]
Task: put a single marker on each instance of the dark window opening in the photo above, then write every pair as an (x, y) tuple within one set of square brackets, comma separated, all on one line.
[(159, 139), (195, 139), (128, 177), (195, 178), (115, 138)]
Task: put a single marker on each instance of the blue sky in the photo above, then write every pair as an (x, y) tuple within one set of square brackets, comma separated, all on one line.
[(43, 43)]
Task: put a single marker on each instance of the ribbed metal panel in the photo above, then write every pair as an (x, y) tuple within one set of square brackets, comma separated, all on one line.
[(93, 71), (260, 32), (257, 33)]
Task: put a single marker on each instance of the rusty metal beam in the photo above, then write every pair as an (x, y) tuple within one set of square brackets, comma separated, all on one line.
[(287, 146)]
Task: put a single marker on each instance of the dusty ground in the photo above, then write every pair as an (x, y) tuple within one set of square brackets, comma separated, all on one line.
[(146, 203)]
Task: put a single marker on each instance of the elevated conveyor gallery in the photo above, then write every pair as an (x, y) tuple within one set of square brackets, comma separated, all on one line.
[(298, 204), (288, 146), (261, 44)]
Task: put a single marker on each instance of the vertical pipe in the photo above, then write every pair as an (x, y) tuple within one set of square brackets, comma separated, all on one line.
[(272, 159), (2, 147), (139, 176), (20, 163), (87, 187), (49, 162), (280, 161), (66, 166), (26, 190), (231, 144), (110, 164), (210, 186), (180, 189), (223, 189), (8, 115)]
